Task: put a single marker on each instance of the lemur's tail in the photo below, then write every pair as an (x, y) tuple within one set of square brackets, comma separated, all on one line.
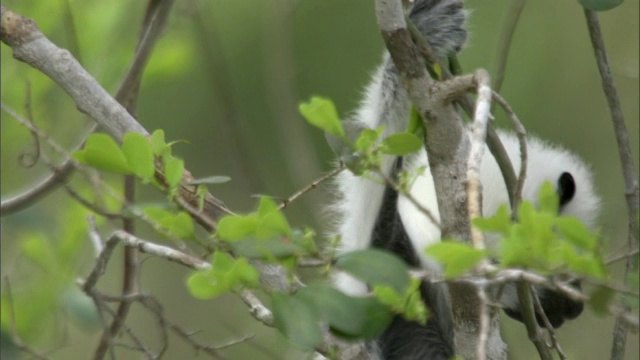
[(442, 22)]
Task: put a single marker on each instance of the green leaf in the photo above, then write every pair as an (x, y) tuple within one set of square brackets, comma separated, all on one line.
[(343, 145), (548, 199), (347, 317), (401, 144), (102, 152), (376, 267), (367, 139), (270, 249), (297, 320), (201, 193), (388, 296), (173, 171), (234, 227), (416, 126), (576, 233), (81, 308), (322, 113), (343, 314), (457, 258), (38, 249), (137, 150), (499, 223), (157, 214), (600, 5), (213, 180), (157, 142), (272, 221), (600, 299), (409, 304), (181, 226), (225, 275)]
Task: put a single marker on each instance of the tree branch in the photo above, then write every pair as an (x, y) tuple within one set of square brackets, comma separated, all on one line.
[(32, 47), (448, 147), (632, 193)]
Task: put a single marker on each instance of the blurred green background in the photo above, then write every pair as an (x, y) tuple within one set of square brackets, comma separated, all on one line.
[(227, 76)]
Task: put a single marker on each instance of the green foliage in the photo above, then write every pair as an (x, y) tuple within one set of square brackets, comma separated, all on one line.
[(268, 221), (299, 316), (600, 5), (102, 152), (360, 148), (297, 320), (135, 157), (544, 241), (137, 150), (211, 180), (409, 304), (159, 146), (177, 226), (347, 317), (457, 258), (322, 113), (265, 234), (54, 258), (81, 307), (376, 267), (416, 126), (401, 144), (226, 274), (173, 170)]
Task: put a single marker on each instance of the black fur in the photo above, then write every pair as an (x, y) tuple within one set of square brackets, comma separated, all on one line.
[(566, 188), (403, 339)]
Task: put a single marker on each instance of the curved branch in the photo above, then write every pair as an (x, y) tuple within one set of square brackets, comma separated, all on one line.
[(31, 46), (37, 192)]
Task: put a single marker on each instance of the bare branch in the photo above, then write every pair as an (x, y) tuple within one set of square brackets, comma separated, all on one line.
[(529, 318), (478, 136), (389, 182), (521, 133), (31, 46), (311, 186), (632, 193), (547, 324), (485, 321)]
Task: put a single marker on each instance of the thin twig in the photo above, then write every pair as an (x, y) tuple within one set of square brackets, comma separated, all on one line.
[(485, 320), (529, 319), (547, 323), (93, 207), (36, 140), (629, 172), (613, 259), (311, 186), (407, 194), (521, 133)]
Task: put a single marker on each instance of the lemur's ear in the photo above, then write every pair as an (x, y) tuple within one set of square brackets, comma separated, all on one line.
[(566, 188)]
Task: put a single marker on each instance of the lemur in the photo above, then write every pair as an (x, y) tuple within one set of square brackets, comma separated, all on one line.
[(373, 215)]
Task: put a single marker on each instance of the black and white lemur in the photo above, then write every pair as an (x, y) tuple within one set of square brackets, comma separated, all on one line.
[(372, 215)]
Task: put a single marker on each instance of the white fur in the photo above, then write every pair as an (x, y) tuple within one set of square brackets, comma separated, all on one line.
[(361, 197)]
